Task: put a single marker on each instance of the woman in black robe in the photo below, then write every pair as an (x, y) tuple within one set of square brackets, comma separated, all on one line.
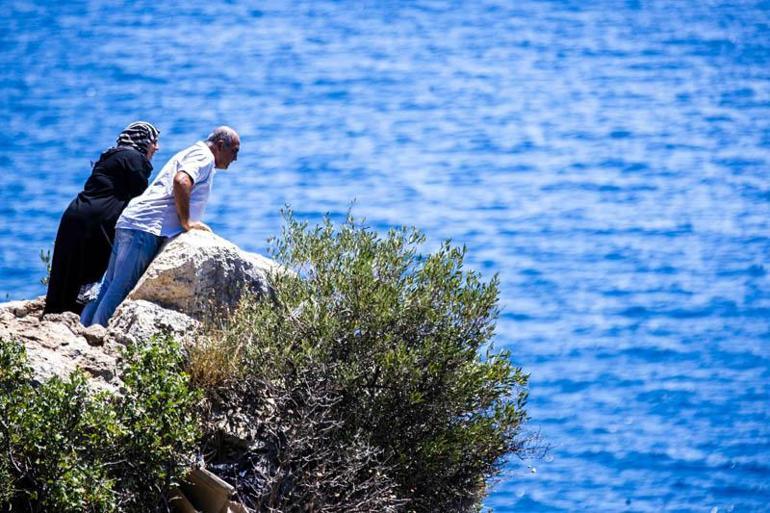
[(87, 228)]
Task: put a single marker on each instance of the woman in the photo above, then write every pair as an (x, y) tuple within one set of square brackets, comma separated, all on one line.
[(87, 228)]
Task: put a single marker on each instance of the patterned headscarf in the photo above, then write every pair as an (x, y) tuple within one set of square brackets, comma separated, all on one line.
[(138, 135)]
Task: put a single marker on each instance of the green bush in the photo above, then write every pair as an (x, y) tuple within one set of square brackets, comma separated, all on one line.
[(397, 344), (158, 412), (67, 449)]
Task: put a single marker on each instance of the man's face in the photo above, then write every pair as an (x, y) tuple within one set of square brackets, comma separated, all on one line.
[(228, 154)]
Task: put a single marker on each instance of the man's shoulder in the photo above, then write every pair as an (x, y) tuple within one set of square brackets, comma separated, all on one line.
[(198, 153)]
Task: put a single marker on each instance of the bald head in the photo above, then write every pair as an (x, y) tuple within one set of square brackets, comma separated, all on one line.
[(224, 143), (222, 133)]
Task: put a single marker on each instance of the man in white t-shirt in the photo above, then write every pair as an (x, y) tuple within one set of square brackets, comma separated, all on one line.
[(172, 204)]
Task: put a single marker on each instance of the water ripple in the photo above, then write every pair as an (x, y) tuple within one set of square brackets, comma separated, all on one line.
[(608, 159)]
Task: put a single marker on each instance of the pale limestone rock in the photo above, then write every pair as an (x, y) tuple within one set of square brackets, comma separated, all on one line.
[(140, 320), (55, 344), (24, 307), (95, 334), (202, 275)]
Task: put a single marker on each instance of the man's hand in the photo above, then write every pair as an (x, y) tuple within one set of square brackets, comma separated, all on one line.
[(197, 225)]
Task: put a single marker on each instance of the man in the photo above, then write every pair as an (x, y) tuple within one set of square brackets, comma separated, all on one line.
[(172, 204)]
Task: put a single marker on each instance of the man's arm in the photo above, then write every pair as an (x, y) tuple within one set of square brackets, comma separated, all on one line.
[(182, 189)]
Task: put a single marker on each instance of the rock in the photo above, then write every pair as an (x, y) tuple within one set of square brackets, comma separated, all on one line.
[(55, 345), (94, 334), (69, 319), (25, 307), (140, 320), (202, 275), (196, 277)]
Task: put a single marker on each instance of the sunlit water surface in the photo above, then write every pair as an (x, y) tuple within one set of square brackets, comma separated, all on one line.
[(608, 159)]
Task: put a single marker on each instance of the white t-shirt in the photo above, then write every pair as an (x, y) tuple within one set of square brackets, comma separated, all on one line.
[(154, 211)]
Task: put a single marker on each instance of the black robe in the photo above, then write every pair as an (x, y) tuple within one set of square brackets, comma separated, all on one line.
[(87, 228)]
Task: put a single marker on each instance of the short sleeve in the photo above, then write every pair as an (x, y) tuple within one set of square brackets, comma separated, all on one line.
[(195, 163)]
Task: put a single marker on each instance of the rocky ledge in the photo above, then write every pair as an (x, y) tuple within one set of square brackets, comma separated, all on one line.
[(195, 278)]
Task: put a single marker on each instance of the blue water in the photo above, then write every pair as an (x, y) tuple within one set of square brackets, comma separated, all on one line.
[(608, 159)]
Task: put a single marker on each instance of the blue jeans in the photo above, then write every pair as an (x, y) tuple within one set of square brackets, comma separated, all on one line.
[(132, 253)]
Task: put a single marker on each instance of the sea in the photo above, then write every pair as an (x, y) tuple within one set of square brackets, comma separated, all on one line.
[(607, 159)]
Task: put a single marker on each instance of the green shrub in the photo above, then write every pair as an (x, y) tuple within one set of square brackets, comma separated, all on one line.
[(399, 345), (14, 391), (68, 449), (158, 412), (304, 457)]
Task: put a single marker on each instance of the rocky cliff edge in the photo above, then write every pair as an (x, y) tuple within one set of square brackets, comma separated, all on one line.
[(195, 278)]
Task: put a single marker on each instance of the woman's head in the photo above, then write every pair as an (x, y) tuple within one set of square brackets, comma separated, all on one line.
[(141, 136)]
